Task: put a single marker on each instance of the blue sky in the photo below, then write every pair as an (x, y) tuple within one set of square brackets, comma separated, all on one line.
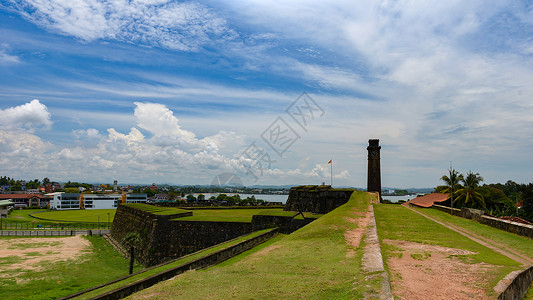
[(180, 92)]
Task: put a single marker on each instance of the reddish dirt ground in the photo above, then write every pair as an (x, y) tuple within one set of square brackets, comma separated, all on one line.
[(432, 272), (33, 251)]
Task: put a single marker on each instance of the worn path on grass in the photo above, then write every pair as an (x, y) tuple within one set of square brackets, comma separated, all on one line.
[(520, 258), (372, 260)]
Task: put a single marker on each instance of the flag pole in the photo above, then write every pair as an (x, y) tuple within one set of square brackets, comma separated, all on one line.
[(331, 174)]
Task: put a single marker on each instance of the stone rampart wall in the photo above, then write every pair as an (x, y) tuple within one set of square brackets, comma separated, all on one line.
[(316, 198), (163, 238), (285, 224), (452, 211), (177, 238), (517, 228), (515, 285)]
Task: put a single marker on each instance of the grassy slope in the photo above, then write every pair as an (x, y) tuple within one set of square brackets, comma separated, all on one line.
[(58, 279), (518, 243), (227, 215), (310, 263), (399, 223), (168, 266)]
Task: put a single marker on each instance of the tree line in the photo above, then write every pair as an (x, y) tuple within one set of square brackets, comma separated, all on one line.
[(498, 199)]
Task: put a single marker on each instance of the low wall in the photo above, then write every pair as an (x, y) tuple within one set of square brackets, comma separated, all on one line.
[(52, 232), (478, 216), (206, 261), (514, 227), (452, 211), (285, 224), (515, 285)]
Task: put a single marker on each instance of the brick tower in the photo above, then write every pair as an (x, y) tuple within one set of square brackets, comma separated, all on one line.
[(374, 170)]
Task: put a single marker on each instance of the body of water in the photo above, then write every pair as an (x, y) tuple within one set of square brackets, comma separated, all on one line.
[(266, 197), (398, 198)]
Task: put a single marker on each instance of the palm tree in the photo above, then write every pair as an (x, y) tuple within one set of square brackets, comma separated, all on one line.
[(452, 183), (133, 240), (469, 194)]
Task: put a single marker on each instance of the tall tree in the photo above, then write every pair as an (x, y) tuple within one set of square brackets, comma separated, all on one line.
[(469, 195), (452, 181)]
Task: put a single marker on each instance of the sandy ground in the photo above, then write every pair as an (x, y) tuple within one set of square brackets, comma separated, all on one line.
[(353, 237), (431, 272), (33, 251)]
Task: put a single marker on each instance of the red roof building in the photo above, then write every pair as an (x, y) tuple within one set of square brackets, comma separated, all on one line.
[(427, 200), (26, 199)]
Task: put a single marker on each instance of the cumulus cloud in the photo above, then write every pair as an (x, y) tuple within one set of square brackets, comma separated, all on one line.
[(169, 24), (161, 122), (29, 116), (167, 153)]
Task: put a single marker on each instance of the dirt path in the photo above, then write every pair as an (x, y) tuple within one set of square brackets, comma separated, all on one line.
[(421, 271), (524, 260), (30, 252), (372, 261)]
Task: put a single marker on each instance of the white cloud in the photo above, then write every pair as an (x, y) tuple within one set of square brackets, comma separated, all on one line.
[(182, 26), (161, 122), (90, 133), (7, 59), (29, 116)]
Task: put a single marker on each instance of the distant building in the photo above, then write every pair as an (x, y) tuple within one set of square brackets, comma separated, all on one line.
[(62, 201), (427, 200), (26, 200), (4, 206), (161, 197)]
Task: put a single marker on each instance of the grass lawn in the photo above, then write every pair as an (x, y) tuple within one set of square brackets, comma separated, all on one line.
[(165, 267), (518, 243), (51, 280), (157, 210), (78, 215), (311, 263), (399, 223), (22, 215), (227, 215)]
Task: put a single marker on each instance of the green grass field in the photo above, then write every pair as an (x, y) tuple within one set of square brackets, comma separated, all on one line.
[(78, 215), (516, 242), (168, 266), (23, 215), (51, 280), (156, 210), (392, 224), (103, 215), (227, 215), (311, 263)]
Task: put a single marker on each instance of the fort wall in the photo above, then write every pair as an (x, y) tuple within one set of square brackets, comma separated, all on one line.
[(515, 285), (316, 198), (478, 216), (165, 237)]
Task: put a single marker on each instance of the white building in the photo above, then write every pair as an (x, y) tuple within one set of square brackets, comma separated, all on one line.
[(63, 200)]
